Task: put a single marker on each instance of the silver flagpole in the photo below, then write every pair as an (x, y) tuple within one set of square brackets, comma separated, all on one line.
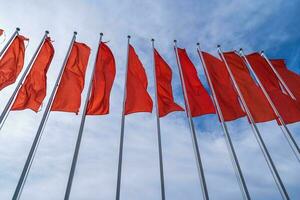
[(79, 137), (257, 134), (6, 110), (193, 132), (278, 75), (9, 41), (292, 142), (38, 135), (122, 128), (161, 167), (234, 159)]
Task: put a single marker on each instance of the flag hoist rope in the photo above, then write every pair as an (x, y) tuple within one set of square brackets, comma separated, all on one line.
[(193, 132), (288, 135), (79, 137), (8, 105), (161, 167), (257, 135), (118, 189), (16, 33), (234, 159), (38, 135)]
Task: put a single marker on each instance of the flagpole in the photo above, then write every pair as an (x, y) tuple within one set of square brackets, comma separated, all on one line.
[(257, 134), (278, 76), (9, 41), (161, 167), (79, 137), (230, 147), (38, 135), (6, 110), (122, 128), (193, 132), (288, 135)]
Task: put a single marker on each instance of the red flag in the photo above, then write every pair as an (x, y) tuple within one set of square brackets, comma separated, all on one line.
[(12, 62), (200, 102), (137, 97), (1, 32), (103, 78), (68, 95), (166, 103), (286, 106), (291, 79), (33, 91), (224, 90), (257, 103)]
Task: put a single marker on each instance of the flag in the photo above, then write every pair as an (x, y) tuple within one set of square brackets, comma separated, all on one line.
[(137, 97), (291, 79), (163, 72), (12, 61), (1, 32), (103, 78), (286, 106), (33, 90), (257, 103), (199, 100), (68, 95), (224, 90)]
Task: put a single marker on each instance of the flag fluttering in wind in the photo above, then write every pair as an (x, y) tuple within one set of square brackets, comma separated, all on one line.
[(103, 78), (199, 100), (68, 95), (163, 72), (286, 106), (137, 97), (33, 91), (12, 61), (225, 93), (258, 105)]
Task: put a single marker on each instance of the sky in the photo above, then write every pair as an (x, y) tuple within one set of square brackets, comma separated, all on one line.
[(270, 25)]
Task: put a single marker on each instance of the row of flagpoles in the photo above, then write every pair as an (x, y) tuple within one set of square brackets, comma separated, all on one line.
[(234, 95)]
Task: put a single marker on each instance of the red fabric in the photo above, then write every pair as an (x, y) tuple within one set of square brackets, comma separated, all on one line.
[(199, 100), (33, 91), (166, 103), (225, 92), (286, 106), (105, 71), (12, 62), (256, 101), (291, 79), (68, 95), (137, 97), (1, 32)]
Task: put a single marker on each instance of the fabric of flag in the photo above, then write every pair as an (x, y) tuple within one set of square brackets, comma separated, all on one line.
[(12, 61), (291, 79), (163, 72), (1, 32), (257, 103), (199, 100), (137, 97), (288, 108), (103, 78), (33, 90), (68, 95), (224, 90)]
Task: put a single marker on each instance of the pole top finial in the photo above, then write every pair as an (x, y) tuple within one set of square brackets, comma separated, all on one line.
[(198, 43), (262, 51), (241, 49), (18, 29), (152, 39), (101, 34), (218, 45), (75, 32), (175, 41), (47, 32), (128, 36)]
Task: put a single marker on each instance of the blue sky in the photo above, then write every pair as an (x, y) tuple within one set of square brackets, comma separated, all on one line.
[(270, 25)]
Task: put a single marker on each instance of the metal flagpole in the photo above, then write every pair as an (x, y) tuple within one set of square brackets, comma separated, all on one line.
[(9, 41), (292, 142), (234, 159), (79, 137), (161, 167), (38, 135), (6, 110), (193, 132), (256, 132), (122, 128), (278, 76)]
